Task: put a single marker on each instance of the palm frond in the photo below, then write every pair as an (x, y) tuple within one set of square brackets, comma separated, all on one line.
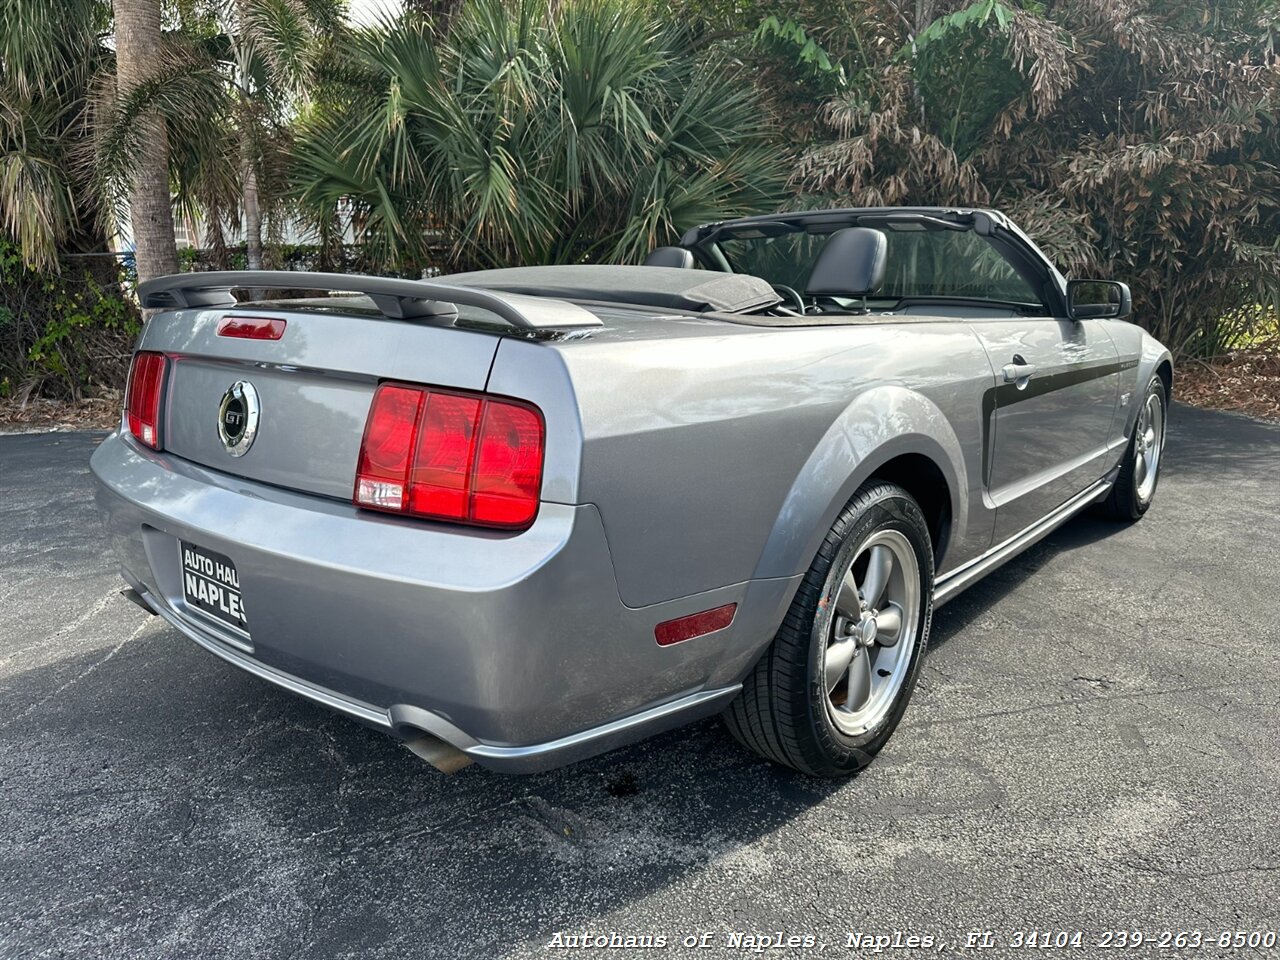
[(37, 204), (42, 42), (534, 132), (284, 35)]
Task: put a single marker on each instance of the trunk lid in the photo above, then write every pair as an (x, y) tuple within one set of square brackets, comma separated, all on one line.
[(313, 386)]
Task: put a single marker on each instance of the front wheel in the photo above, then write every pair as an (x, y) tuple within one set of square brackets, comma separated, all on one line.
[(833, 685), (1135, 486)]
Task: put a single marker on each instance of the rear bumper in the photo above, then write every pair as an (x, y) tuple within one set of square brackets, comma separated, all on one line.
[(515, 649)]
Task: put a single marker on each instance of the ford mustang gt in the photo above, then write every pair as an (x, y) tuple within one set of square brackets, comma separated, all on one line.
[(522, 516)]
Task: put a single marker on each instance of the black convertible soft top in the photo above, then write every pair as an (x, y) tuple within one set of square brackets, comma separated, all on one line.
[(672, 288)]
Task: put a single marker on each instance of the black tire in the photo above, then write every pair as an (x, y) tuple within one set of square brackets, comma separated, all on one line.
[(783, 712), (1127, 502)]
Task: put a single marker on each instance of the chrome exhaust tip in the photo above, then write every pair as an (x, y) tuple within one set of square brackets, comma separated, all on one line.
[(443, 756)]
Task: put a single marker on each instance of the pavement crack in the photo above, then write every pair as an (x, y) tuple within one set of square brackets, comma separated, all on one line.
[(78, 677), (1103, 682), (1076, 702), (1202, 875), (94, 609)]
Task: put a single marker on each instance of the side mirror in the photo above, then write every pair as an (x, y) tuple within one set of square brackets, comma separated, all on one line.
[(1090, 299)]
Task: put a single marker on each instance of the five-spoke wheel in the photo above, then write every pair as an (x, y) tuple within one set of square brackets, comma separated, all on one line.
[(872, 635), (833, 685), (1135, 484), (1148, 444)]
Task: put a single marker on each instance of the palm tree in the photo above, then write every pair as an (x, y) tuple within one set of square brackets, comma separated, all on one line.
[(48, 52), (272, 49), (535, 131), (229, 82), (137, 33)]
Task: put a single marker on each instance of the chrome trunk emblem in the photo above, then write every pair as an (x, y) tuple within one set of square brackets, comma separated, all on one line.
[(238, 418)]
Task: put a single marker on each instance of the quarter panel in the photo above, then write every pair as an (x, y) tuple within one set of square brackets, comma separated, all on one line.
[(883, 423), (715, 459)]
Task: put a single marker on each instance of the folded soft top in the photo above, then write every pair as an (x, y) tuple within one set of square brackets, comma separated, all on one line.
[(672, 288)]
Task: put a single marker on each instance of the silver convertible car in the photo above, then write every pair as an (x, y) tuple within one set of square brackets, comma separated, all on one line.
[(523, 516)]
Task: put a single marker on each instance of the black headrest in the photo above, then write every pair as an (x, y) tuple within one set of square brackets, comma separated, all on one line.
[(851, 264), (670, 257)]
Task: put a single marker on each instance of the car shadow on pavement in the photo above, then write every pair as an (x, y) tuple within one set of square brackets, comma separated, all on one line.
[(178, 807), (951, 620)]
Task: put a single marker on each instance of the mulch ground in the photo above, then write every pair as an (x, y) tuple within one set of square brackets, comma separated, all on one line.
[(1243, 381), (39, 415)]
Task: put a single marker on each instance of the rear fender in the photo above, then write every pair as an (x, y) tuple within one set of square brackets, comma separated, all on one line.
[(883, 423)]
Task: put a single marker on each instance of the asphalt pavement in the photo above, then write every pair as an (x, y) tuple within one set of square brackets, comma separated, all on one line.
[(1094, 746)]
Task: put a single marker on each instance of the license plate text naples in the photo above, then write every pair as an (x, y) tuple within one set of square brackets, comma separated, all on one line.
[(212, 583)]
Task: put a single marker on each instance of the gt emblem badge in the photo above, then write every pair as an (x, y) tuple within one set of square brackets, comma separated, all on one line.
[(238, 418)]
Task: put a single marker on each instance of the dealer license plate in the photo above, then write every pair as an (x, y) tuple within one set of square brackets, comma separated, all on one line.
[(211, 585)]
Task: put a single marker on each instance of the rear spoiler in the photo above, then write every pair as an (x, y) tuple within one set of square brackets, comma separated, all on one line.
[(398, 299)]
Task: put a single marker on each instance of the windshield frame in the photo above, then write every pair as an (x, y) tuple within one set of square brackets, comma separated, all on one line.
[(1017, 250)]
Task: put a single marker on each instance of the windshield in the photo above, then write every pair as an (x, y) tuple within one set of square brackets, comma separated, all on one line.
[(920, 264)]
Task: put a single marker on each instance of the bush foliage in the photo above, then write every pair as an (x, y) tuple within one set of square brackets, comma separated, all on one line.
[(1135, 140), (65, 332), (534, 132)]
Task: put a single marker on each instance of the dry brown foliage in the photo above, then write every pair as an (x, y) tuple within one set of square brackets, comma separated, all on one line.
[(1244, 381), (41, 414), (1132, 139)]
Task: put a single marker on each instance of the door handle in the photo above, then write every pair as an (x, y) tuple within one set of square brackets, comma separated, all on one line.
[(1018, 372)]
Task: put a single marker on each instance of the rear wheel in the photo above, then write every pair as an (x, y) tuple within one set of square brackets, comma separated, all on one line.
[(836, 680), (1135, 486)]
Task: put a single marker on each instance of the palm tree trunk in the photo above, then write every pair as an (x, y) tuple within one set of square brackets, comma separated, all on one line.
[(137, 30), (252, 212), (252, 207), (251, 201), (215, 241)]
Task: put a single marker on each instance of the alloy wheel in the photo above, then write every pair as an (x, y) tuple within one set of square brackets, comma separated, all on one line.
[(1148, 445), (872, 633)]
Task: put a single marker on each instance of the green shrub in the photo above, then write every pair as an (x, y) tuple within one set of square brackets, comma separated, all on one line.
[(65, 333)]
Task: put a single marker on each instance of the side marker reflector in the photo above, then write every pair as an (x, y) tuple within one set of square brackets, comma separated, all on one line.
[(694, 625)]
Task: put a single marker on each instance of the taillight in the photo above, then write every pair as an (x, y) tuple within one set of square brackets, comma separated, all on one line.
[(142, 402), (448, 455)]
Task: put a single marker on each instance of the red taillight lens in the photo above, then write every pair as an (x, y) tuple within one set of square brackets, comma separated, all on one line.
[(453, 456), (440, 481), (252, 328), (508, 471), (381, 478), (142, 402)]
